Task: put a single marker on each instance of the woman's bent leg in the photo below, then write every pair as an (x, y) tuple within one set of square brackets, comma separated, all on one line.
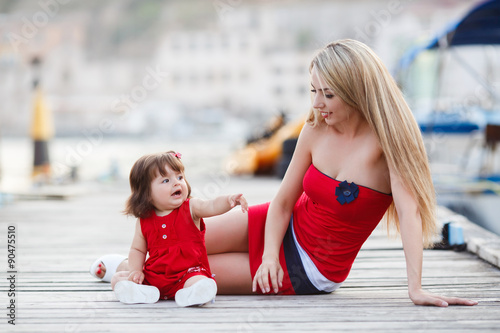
[(227, 233), (232, 273)]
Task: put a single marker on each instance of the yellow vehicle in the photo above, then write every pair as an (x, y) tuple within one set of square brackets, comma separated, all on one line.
[(271, 152)]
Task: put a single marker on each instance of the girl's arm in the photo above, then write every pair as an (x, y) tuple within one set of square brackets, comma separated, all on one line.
[(270, 272), (411, 235), (137, 255), (206, 208)]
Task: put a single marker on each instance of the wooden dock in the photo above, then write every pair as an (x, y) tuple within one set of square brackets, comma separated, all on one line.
[(57, 240)]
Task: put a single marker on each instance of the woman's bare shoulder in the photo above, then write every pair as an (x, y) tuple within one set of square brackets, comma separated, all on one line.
[(310, 131)]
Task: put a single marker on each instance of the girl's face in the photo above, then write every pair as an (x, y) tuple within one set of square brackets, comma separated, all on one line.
[(331, 108), (168, 192)]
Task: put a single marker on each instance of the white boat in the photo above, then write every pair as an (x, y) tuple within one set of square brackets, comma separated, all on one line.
[(460, 114)]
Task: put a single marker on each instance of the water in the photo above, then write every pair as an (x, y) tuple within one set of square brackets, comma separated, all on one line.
[(105, 158), (112, 157)]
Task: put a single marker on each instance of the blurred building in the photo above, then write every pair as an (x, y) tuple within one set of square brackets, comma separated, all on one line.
[(153, 66), (233, 70)]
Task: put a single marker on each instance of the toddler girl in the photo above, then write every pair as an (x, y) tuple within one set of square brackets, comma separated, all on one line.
[(170, 228)]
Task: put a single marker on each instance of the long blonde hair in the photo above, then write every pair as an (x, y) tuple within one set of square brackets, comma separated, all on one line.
[(358, 77)]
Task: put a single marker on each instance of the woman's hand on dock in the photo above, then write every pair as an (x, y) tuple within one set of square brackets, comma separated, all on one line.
[(421, 297), (269, 271)]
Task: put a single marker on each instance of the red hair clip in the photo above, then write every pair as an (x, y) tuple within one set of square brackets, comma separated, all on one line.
[(178, 155)]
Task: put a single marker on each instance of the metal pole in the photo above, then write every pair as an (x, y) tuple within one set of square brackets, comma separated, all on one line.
[(41, 130)]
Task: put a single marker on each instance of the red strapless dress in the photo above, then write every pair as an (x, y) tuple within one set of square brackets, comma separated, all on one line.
[(331, 221)]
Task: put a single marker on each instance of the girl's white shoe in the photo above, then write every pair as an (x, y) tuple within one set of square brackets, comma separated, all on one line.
[(200, 293), (129, 292)]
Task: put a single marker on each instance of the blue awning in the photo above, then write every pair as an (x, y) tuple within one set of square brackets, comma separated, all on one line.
[(480, 26)]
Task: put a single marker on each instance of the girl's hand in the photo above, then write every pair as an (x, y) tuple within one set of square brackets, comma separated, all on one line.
[(421, 297), (270, 268), (238, 199), (136, 276)]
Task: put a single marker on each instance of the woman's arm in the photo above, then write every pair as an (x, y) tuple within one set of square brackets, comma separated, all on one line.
[(137, 255), (280, 211), (220, 205), (411, 235)]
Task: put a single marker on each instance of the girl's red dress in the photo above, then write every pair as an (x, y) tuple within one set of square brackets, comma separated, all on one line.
[(176, 250)]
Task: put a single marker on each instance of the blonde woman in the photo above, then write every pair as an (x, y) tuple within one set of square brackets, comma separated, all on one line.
[(360, 156)]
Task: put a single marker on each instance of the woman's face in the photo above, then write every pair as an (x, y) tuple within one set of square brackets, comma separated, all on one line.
[(330, 107)]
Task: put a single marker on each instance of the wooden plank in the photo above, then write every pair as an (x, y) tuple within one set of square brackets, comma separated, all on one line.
[(58, 241)]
